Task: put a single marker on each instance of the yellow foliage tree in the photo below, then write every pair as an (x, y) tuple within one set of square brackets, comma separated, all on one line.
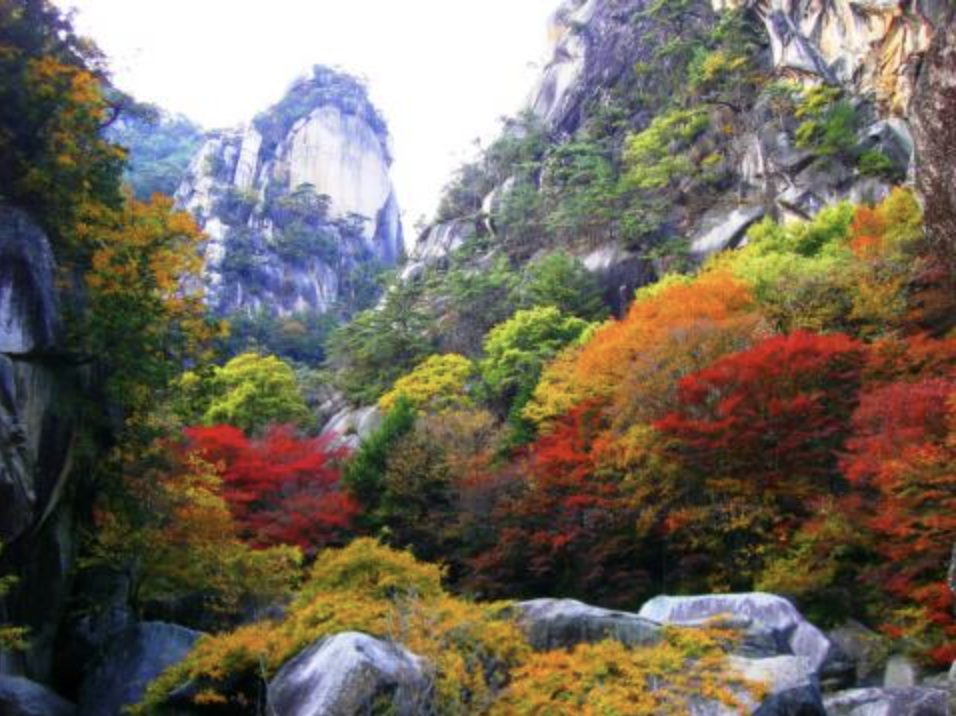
[(146, 312), (436, 385)]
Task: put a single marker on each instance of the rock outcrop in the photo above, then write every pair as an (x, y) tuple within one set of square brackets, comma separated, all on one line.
[(350, 426), (594, 45), (872, 46), (351, 673), (869, 49), (888, 702), (296, 202), (435, 245), (38, 428), (563, 623), (932, 113), (22, 697), (794, 633), (130, 661)]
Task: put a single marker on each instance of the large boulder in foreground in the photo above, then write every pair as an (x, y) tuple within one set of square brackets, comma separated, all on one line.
[(793, 633), (564, 623), (22, 697), (888, 702), (350, 673), (132, 660)]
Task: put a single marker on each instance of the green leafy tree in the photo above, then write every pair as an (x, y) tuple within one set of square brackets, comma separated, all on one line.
[(659, 156), (562, 281), (250, 392), (581, 189), (365, 472), (516, 350), (475, 301), (380, 344), (830, 123)]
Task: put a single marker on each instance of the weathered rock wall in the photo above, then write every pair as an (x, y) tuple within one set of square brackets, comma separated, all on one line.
[(324, 137), (38, 435)]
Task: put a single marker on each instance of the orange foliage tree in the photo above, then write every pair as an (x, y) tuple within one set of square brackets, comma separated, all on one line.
[(664, 312), (146, 313)]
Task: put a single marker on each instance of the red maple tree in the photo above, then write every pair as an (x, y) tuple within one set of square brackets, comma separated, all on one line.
[(564, 527), (282, 488)]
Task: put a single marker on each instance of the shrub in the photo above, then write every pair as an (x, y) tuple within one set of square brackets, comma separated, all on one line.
[(369, 588), (658, 156), (609, 678)]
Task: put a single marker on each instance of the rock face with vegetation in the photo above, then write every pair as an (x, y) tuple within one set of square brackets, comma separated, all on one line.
[(38, 434), (298, 207), (682, 329)]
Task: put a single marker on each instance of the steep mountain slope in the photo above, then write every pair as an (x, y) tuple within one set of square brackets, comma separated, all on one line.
[(778, 109), (299, 207)]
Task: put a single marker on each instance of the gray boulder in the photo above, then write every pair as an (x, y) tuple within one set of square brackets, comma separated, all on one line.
[(22, 697), (863, 651), (789, 683), (901, 672), (350, 426), (347, 674), (724, 228), (792, 632), (888, 702), (951, 689), (131, 661), (564, 623)]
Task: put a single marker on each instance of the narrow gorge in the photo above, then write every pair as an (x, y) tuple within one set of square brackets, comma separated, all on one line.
[(655, 415)]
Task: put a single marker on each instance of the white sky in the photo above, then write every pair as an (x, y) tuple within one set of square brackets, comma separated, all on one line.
[(442, 71)]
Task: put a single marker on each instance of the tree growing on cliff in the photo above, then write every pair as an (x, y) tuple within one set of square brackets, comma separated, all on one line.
[(380, 344), (365, 472), (563, 282), (55, 101)]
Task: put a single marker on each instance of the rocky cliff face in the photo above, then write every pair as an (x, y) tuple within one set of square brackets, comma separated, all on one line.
[(297, 203), (873, 46), (38, 431), (933, 114), (867, 52)]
